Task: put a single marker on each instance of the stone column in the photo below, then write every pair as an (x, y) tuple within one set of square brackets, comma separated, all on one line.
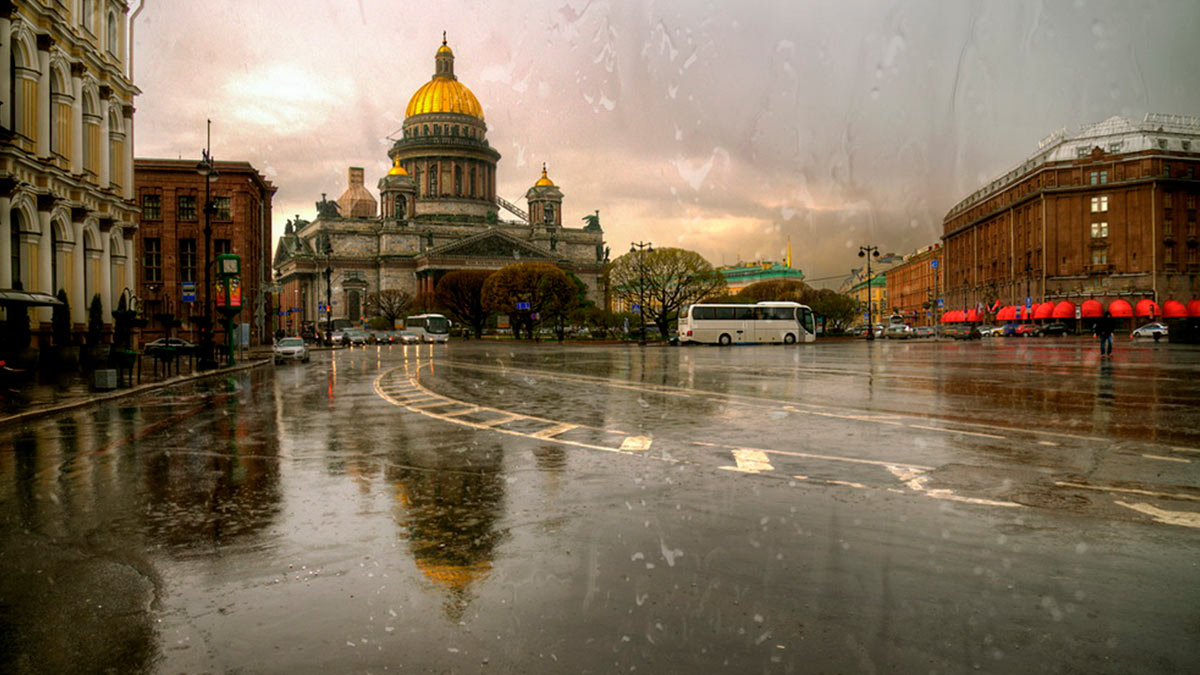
[(5, 225), (45, 280), (78, 272), (104, 178), (77, 70), (106, 270), (6, 101), (43, 102), (127, 112)]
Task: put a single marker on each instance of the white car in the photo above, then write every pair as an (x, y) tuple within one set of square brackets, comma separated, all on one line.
[(1151, 330), (291, 349)]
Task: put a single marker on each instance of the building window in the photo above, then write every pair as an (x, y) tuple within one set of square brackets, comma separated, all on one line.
[(433, 180), (1162, 144), (1116, 147), (1166, 170), (1168, 200), (187, 207), (458, 184), (1191, 201), (1100, 257), (1100, 204), (472, 181), (1099, 177), (1168, 228), (152, 207), (221, 246), (1169, 255), (437, 130), (187, 259), (1099, 230), (1082, 151), (152, 259), (223, 208)]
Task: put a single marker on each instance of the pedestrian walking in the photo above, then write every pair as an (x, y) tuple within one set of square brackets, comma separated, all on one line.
[(1103, 329)]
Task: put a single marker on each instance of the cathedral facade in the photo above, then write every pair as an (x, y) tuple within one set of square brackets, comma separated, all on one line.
[(437, 212)]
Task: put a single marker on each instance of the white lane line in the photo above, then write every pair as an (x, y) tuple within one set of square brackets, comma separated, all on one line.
[(750, 461), (555, 430), (1049, 443), (851, 460), (636, 443), (1168, 459), (1184, 518), (917, 482), (500, 420), (956, 431), (1195, 451), (1132, 491)]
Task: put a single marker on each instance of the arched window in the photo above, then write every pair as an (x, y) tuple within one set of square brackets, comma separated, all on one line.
[(424, 129), (113, 45), (87, 16), (433, 180), (549, 213), (116, 148), (24, 94), (60, 115), (473, 193), (91, 136), (458, 181), (437, 130)]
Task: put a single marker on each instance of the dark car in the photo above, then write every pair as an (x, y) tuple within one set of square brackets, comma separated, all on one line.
[(1052, 329), (178, 344), (962, 331), (925, 331)]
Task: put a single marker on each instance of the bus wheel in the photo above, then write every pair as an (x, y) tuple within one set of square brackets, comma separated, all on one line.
[(789, 339), (724, 340)]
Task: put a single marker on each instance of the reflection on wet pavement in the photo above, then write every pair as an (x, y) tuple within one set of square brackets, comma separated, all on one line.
[(524, 508)]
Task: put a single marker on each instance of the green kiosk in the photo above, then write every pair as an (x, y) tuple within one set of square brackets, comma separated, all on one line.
[(229, 294)]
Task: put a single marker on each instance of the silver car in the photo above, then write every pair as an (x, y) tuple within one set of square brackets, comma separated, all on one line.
[(1151, 330), (291, 349)]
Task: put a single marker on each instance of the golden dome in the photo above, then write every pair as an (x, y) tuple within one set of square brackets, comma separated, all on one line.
[(544, 180), (397, 170), (444, 93)]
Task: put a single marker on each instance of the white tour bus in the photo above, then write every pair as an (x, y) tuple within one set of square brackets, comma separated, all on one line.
[(428, 327), (764, 323)]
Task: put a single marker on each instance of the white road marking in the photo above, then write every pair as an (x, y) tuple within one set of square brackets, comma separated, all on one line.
[(1132, 491), (955, 431), (555, 430), (500, 420), (1184, 518), (1168, 459), (916, 481), (638, 443), (750, 461), (1191, 450), (1049, 443)]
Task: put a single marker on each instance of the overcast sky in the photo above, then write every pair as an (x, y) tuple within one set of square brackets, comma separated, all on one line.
[(724, 127)]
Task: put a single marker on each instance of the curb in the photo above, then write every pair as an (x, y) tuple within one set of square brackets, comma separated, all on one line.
[(140, 389)]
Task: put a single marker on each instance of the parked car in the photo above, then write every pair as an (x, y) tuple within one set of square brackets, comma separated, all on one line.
[(1009, 329), (405, 337), (1052, 329), (1026, 330), (990, 331), (898, 331), (290, 349), (1151, 330), (178, 344), (924, 331), (962, 331), (354, 336)]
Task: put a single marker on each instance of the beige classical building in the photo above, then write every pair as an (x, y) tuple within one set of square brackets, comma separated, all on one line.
[(437, 211), (66, 155)]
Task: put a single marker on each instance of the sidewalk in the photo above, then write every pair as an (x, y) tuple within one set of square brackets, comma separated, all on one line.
[(42, 393)]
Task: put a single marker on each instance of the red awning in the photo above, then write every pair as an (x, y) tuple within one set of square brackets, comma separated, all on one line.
[(1043, 311), (1147, 308), (1008, 313), (953, 316), (1120, 309), (972, 315), (1064, 310), (1193, 308), (1174, 309), (1091, 309)]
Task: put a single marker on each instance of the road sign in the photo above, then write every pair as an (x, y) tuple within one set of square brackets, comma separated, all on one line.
[(933, 264), (1028, 301), (189, 291), (637, 309), (941, 303), (522, 305)]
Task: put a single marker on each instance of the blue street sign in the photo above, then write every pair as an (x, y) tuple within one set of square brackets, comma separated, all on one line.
[(189, 291), (1028, 302), (941, 303), (637, 309), (933, 264), (522, 305)]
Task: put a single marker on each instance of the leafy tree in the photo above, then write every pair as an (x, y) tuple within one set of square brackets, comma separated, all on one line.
[(731, 299), (95, 321), (791, 290), (674, 278), (60, 321), (838, 310), (461, 294), (546, 288), (391, 304)]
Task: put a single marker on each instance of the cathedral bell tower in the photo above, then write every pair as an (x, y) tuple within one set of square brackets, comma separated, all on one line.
[(398, 194), (545, 205)]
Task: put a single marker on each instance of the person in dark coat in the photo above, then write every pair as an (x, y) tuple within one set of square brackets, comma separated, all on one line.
[(1104, 330)]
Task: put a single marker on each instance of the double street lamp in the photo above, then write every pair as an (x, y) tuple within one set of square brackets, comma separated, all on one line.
[(869, 252), (327, 250), (641, 248), (208, 172)]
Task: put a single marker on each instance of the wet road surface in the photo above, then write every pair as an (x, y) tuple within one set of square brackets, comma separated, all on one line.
[(1004, 506)]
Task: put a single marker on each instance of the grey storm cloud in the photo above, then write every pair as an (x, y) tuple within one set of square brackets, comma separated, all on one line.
[(728, 128)]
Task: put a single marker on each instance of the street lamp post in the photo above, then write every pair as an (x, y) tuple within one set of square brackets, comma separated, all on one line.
[(869, 252), (328, 251), (208, 172), (641, 248)]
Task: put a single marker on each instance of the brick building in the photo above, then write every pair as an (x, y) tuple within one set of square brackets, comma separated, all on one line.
[(1107, 213), (170, 239), (914, 285)]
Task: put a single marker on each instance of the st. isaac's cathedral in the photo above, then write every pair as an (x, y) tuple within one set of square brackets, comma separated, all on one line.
[(437, 212)]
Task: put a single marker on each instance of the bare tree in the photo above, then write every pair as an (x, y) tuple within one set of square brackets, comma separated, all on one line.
[(461, 294), (390, 303), (672, 278)]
